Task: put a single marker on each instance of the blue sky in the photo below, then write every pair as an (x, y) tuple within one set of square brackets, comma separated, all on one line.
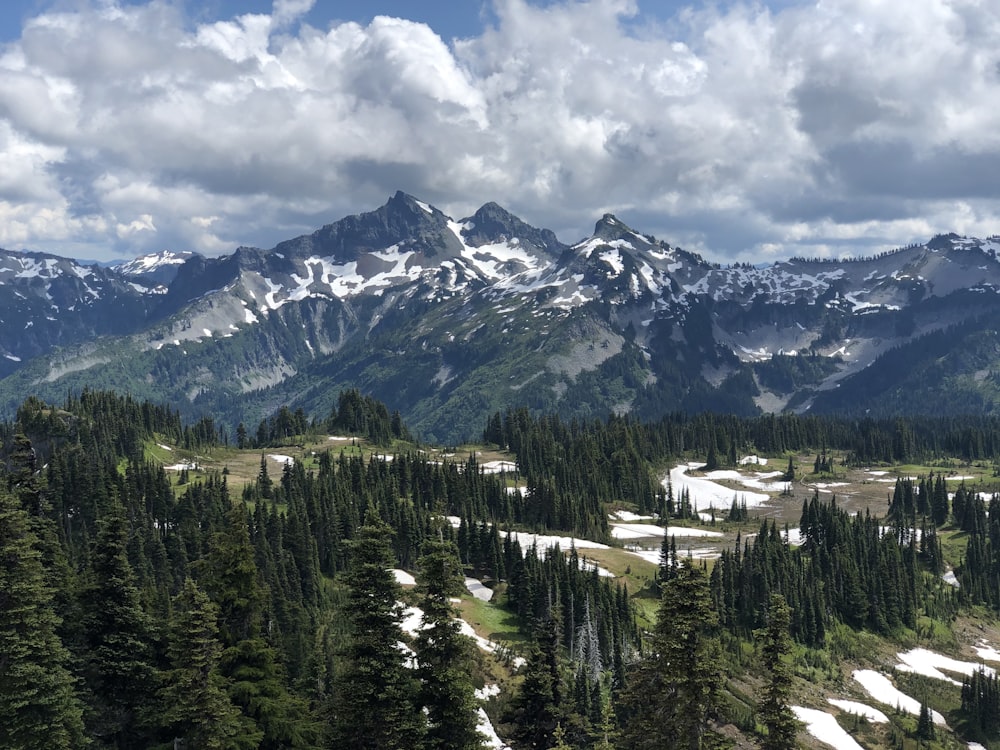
[(744, 131), (454, 19), (449, 20)]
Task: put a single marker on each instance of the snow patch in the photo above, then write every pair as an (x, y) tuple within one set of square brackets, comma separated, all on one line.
[(880, 688), (928, 663), (861, 709), (705, 493), (986, 652), (478, 590), (181, 466), (543, 541), (639, 530), (495, 467), (403, 578), (824, 727), (485, 728), (629, 517)]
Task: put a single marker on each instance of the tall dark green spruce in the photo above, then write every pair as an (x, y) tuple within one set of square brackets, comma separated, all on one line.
[(672, 694), (536, 710), (375, 700), (774, 711), (197, 711), (256, 679), (38, 704), (444, 654), (119, 658)]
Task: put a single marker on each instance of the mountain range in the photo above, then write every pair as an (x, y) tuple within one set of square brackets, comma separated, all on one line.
[(450, 321)]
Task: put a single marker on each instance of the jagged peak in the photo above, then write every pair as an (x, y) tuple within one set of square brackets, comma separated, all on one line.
[(610, 227), (406, 202), (493, 223)]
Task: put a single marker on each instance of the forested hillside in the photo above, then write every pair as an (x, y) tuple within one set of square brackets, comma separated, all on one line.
[(147, 605)]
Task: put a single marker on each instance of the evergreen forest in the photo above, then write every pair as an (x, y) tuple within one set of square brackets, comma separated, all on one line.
[(315, 602)]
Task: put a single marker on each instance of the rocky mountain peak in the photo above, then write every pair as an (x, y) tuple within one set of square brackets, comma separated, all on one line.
[(493, 224), (402, 221), (609, 228)]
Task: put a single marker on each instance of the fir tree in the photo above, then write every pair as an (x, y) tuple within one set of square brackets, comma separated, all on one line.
[(712, 460), (197, 710), (537, 708), (375, 704), (925, 723), (119, 667), (38, 705), (789, 475), (443, 655), (673, 693), (559, 738), (256, 678), (774, 711)]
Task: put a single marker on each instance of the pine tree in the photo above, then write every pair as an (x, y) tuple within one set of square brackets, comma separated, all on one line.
[(672, 694), (38, 706), (197, 710), (559, 738), (256, 678), (712, 460), (375, 704), (536, 710), (443, 654), (789, 475), (119, 667), (774, 711), (925, 723)]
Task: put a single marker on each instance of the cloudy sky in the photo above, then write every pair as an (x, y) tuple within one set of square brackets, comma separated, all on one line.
[(746, 131)]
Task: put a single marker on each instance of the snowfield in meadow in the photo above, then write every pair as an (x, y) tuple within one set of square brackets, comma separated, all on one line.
[(628, 516), (586, 564), (547, 541), (986, 652), (706, 493), (861, 709), (403, 578), (189, 465), (640, 530), (824, 727), (880, 688), (478, 590), (929, 664)]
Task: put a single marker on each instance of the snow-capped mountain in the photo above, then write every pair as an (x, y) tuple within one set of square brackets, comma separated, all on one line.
[(154, 271), (450, 320), (47, 301)]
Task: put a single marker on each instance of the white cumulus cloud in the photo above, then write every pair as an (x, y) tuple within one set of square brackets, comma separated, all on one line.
[(740, 131)]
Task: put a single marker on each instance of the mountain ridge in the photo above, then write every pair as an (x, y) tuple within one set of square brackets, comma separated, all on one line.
[(450, 320)]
